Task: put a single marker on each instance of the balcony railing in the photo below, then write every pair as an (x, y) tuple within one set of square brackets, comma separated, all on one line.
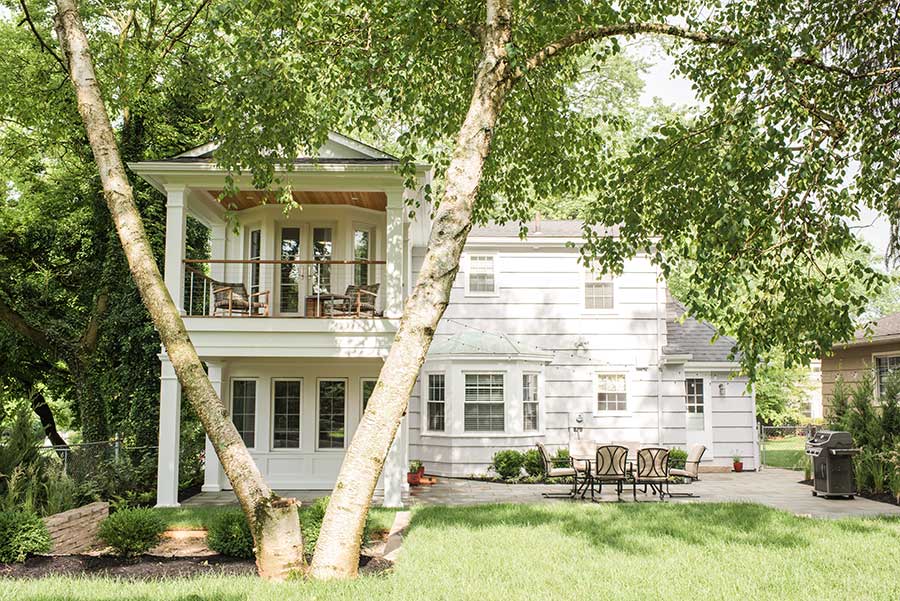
[(260, 288)]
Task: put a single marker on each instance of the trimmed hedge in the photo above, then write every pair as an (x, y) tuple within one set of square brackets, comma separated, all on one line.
[(22, 533), (131, 532), (533, 464)]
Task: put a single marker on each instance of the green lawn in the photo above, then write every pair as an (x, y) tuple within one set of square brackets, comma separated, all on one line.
[(623, 551), (787, 452)]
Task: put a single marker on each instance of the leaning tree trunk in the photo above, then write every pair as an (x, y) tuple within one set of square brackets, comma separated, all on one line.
[(274, 521), (339, 541)]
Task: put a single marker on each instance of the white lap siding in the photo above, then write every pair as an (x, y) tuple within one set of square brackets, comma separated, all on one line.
[(539, 303)]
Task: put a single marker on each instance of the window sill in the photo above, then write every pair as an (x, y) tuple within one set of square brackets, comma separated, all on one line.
[(426, 434), (612, 414)]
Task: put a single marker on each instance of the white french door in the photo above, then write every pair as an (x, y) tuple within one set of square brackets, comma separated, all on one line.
[(698, 421)]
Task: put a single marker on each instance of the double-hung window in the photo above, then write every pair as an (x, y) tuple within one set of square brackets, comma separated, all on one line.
[(484, 403), (612, 393), (884, 367), (436, 404), (599, 292), (332, 413), (481, 279), (529, 402), (243, 409)]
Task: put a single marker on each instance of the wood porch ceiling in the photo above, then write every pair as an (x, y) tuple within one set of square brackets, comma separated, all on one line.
[(376, 201)]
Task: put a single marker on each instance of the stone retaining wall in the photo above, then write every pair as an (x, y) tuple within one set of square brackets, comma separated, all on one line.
[(75, 531)]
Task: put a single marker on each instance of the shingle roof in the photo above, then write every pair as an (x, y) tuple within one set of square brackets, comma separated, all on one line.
[(889, 325), (692, 337), (546, 228)]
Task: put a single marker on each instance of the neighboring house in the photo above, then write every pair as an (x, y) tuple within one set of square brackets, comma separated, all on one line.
[(878, 350), (533, 347)]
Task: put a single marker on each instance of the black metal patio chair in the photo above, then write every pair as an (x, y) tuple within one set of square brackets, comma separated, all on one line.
[(609, 467), (553, 471)]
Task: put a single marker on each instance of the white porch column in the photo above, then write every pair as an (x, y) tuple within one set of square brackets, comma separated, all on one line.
[(213, 476), (176, 228), (169, 436), (395, 468), (395, 266)]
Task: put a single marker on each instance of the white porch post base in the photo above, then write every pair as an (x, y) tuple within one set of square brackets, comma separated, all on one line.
[(169, 436), (395, 467)]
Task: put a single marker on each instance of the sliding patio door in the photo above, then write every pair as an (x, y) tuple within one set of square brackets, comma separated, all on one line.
[(291, 276)]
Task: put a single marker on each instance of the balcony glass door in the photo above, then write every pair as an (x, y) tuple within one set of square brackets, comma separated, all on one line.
[(290, 275), (322, 250)]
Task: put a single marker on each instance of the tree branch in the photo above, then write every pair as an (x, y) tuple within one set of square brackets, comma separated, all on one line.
[(579, 36), (91, 332), (44, 46), (18, 323)]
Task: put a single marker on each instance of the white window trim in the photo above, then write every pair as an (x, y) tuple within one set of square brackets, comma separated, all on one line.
[(596, 388), (362, 384), (255, 380), (318, 414), (495, 263), (425, 400), (583, 291), (272, 446), (874, 368), (540, 405), (483, 433)]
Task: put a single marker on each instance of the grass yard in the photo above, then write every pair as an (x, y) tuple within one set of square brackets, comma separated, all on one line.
[(577, 551), (787, 452)]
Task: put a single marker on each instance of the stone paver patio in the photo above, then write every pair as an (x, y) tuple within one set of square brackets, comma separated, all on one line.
[(774, 487)]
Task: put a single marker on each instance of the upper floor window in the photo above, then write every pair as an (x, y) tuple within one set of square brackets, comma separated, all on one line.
[(436, 405), (484, 406), (254, 254), (599, 292), (612, 392), (529, 402), (243, 409), (481, 278)]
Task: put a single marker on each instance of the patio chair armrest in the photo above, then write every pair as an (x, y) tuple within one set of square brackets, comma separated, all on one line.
[(261, 293), (229, 289)]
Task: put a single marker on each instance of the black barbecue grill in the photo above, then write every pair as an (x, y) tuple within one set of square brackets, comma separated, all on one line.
[(832, 457)]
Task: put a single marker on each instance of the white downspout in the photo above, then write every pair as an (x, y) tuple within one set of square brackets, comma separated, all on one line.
[(659, 363)]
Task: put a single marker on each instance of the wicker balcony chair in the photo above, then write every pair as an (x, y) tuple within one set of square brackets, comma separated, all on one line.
[(691, 471), (554, 471), (652, 469), (357, 301), (231, 298), (610, 467)]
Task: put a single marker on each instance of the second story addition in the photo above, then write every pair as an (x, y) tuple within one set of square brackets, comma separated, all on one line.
[(337, 265)]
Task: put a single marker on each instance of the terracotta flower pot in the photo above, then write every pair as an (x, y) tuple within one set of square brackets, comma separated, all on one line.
[(414, 478), (421, 471), (739, 466)]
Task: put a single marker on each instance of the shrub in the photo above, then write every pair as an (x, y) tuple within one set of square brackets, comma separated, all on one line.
[(229, 534), (508, 464), (562, 458), (131, 532), (532, 462), (677, 459), (21, 533), (311, 518)]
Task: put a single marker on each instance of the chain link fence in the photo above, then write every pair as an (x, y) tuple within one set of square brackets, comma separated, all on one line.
[(785, 446)]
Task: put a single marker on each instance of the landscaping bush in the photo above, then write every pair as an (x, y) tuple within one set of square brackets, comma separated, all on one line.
[(229, 534), (311, 518), (131, 532), (532, 462), (508, 464), (677, 459), (21, 533)]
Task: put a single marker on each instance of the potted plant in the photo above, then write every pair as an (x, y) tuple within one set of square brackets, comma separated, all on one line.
[(738, 462), (414, 476)]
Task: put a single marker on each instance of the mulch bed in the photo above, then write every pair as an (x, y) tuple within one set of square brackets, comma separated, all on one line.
[(884, 497), (147, 567)]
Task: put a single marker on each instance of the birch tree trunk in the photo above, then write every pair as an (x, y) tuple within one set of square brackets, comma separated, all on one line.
[(273, 520), (338, 546)]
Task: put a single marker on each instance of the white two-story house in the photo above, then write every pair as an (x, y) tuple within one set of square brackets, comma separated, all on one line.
[(295, 309)]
